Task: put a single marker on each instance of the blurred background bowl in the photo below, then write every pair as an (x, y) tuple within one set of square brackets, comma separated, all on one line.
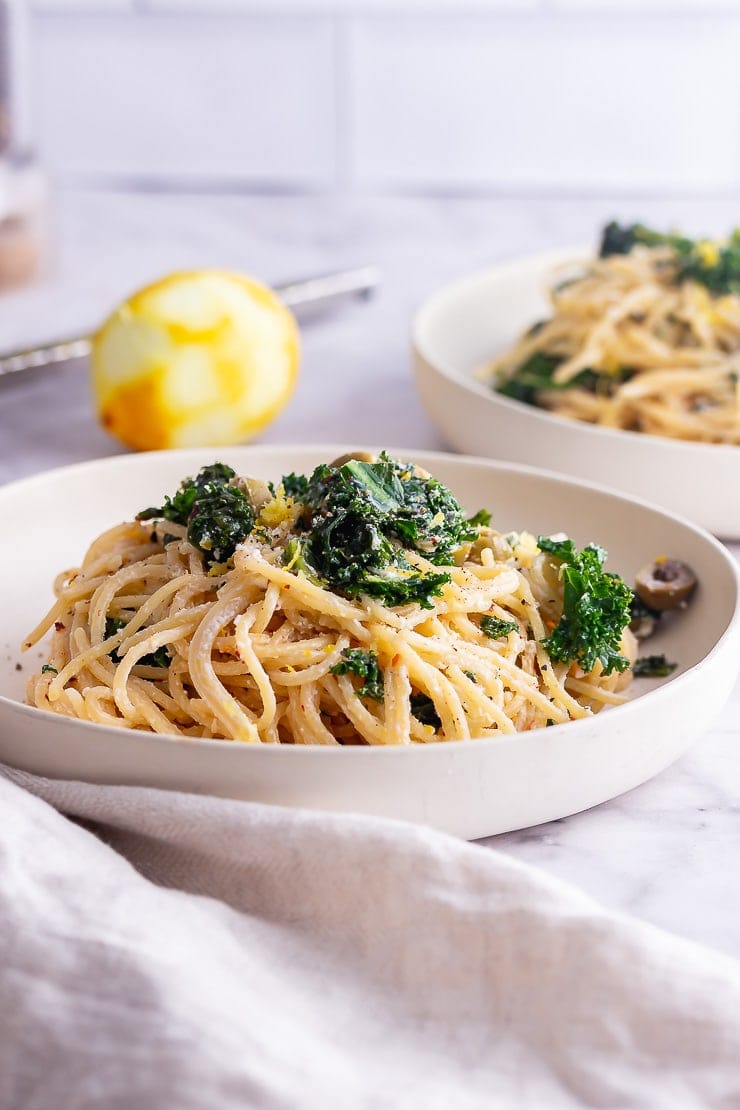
[(464, 325)]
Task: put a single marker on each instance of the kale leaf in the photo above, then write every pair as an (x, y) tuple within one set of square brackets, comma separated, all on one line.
[(412, 588), (218, 515), (159, 658), (619, 238), (358, 519), (113, 625), (295, 486), (481, 519), (430, 519), (714, 265), (536, 373), (365, 665), (653, 666), (643, 619), (219, 520), (295, 560), (179, 507), (596, 608), (494, 627), (423, 709), (639, 610)]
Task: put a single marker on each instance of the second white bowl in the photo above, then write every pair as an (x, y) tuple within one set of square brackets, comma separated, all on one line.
[(466, 324)]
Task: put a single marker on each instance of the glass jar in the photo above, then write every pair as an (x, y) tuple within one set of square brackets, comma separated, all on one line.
[(22, 186)]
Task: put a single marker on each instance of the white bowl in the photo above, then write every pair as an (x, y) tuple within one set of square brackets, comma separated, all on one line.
[(472, 788), (465, 325)]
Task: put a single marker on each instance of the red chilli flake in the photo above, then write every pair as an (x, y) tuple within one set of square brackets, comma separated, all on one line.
[(59, 626)]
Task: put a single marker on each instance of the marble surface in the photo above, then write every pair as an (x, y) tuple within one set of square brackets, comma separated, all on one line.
[(664, 852)]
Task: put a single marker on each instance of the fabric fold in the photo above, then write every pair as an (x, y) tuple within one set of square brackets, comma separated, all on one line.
[(200, 952)]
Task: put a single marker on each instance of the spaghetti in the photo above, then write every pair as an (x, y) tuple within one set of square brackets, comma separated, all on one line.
[(647, 340), (154, 633)]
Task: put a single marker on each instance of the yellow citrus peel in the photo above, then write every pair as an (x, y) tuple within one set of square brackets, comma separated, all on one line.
[(197, 359)]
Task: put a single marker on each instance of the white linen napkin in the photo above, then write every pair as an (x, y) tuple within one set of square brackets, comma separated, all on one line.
[(203, 953)]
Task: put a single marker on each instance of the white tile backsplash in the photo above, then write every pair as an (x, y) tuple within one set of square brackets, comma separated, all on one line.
[(666, 7), (571, 96), (188, 98), (57, 6), (561, 103), (337, 7)]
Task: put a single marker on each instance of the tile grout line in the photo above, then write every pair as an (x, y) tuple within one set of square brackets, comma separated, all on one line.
[(342, 47)]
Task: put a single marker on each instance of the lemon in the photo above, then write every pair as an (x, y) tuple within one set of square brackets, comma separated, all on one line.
[(198, 358)]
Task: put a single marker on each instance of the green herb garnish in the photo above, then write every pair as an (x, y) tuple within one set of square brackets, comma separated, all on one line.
[(537, 373), (360, 519), (295, 486), (596, 608), (481, 519), (48, 669), (619, 238), (495, 627), (653, 666), (219, 521), (218, 516), (364, 664), (534, 374), (179, 507), (423, 709), (159, 658), (295, 560), (640, 611), (715, 265)]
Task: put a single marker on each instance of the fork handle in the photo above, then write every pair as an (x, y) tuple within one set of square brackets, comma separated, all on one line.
[(318, 291)]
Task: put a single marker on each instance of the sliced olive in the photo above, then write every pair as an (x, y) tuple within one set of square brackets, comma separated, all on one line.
[(665, 584), (359, 456)]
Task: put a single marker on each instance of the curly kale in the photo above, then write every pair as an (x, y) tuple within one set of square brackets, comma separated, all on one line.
[(159, 658), (596, 608), (481, 519), (619, 238), (536, 374), (295, 560), (714, 265), (423, 709), (218, 515), (358, 519), (653, 666), (179, 507), (295, 486), (219, 521), (494, 627), (364, 664)]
